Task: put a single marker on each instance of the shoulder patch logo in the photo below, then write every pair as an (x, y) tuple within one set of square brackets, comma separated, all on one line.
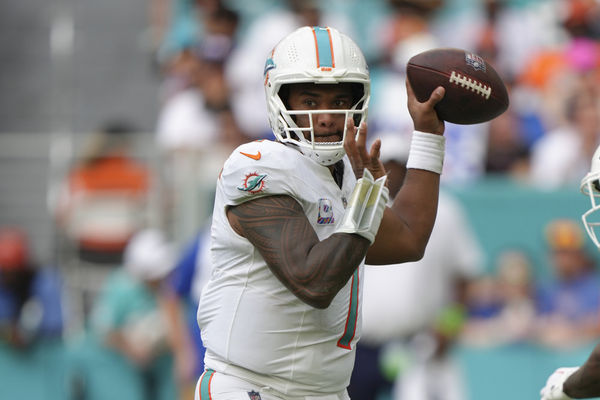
[(325, 216), (253, 183)]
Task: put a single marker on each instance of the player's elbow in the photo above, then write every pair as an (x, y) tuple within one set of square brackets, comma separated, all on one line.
[(316, 296), (320, 302), (415, 254), (414, 250), (401, 253), (320, 305)]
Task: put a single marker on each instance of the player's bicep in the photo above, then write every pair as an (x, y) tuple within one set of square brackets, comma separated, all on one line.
[(279, 229)]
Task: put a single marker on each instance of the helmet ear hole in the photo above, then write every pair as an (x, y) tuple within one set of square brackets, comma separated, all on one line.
[(596, 184)]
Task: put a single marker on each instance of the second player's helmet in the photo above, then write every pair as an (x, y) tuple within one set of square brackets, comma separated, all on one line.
[(590, 186), (322, 56)]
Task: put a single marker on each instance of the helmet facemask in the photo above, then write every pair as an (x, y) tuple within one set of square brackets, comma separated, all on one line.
[(325, 153), (590, 186)]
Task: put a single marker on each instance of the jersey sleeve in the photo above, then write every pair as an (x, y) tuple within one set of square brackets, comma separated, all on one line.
[(259, 169)]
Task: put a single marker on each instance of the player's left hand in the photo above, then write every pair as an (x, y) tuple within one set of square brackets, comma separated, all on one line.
[(355, 145), (554, 385)]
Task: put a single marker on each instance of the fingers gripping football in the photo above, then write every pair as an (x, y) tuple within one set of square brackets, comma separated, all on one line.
[(423, 114)]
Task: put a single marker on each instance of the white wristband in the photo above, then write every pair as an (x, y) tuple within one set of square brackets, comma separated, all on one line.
[(426, 152)]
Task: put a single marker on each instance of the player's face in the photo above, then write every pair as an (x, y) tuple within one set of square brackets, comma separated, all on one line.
[(328, 127)]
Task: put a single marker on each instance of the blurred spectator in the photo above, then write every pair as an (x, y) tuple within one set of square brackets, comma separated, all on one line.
[(245, 67), (522, 28), (581, 18), (560, 157), (196, 131), (132, 314), (426, 332), (190, 274), (196, 128), (214, 44), (103, 200), (568, 307), (31, 295), (500, 308), (558, 85), (177, 24), (507, 151), (199, 116)]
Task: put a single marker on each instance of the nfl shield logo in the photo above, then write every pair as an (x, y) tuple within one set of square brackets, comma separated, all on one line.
[(254, 395), (475, 61), (325, 212)]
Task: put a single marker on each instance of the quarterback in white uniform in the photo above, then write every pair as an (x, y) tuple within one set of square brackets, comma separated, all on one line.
[(245, 307), (294, 219)]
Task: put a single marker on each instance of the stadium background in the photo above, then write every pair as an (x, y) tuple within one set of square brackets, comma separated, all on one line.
[(68, 65)]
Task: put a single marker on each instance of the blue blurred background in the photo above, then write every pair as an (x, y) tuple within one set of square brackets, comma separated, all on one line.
[(115, 118)]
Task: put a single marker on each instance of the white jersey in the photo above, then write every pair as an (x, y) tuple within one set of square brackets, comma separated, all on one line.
[(252, 326)]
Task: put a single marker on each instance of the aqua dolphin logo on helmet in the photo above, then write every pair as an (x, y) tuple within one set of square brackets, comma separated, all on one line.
[(269, 65), (314, 55)]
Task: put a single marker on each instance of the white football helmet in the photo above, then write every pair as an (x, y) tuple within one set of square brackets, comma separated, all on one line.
[(590, 186), (322, 56)]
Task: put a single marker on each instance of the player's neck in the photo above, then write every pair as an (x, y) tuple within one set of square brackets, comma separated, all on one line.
[(337, 171)]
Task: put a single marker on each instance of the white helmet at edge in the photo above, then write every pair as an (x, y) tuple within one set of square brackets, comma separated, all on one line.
[(590, 186), (320, 55)]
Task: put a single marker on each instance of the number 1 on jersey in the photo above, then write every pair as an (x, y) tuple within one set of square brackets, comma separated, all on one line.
[(352, 317)]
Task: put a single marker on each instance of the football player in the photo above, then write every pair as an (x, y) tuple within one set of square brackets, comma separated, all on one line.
[(581, 382), (295, 218)]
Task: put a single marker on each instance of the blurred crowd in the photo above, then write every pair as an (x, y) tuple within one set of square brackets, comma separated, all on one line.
[(209, 55)]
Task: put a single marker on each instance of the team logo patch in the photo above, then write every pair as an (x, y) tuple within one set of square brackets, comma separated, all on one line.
[(254, 395), (253, 183), (475, 61), (325, 212)]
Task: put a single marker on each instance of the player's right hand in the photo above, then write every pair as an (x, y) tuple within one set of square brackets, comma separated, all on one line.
[(554, 385), (424, 116), (355, 145)]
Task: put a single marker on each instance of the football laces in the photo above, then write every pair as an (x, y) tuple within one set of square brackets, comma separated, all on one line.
[(472, 84)]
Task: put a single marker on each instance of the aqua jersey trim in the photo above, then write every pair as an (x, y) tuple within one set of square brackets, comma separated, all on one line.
[(350, 329), (204, 388)]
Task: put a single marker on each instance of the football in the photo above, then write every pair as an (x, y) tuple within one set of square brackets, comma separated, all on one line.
[(475, 92)]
